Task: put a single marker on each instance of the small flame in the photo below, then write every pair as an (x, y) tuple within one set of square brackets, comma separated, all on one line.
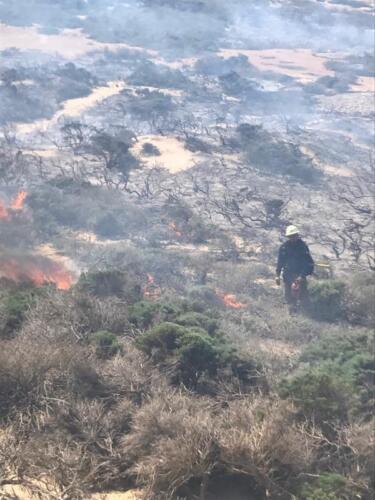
[(4, 214), (151, 291), (19, 201), (36, 269), (17, 204), (173, 226), (230, 300)]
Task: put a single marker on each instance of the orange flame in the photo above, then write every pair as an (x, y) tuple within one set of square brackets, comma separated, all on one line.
[(37, 269), (4, 214), (230, 300), (151, 291), (17, 204), (19, 201), (173, 226)]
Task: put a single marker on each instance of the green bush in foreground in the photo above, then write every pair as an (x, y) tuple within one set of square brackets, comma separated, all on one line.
[(329, 486), (320, 396)]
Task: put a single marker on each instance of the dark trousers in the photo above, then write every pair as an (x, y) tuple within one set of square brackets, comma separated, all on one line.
[(291, 299)]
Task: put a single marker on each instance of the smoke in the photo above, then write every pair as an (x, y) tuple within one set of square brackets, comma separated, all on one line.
[(322, 30), (189, 26)]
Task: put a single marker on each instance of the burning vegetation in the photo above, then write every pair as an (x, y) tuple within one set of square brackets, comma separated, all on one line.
[(16, 205), (36, 269)]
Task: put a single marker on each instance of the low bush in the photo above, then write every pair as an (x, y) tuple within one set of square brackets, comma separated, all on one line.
[(163, 339), (337, 384), (180, 445), (327, 300), (107, 283), (14, 305), (107, 344), (145, 313), (322, 397), (149, 149), (198, 319), (348, 357), (330, 486), (359, 300), (189, 352)]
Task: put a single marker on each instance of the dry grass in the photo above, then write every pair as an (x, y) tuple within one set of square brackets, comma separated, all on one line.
[(177, 441)]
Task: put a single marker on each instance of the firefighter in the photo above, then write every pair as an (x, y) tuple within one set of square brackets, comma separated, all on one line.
[(295, 263)]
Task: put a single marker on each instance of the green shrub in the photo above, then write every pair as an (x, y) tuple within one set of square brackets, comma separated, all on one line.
[(14, 306), (338, 347), (329, 486), (360, 298), (162, 338), (145, 313), (192, 350), (320, 396), (107, 344), (248, 371), (198, 319), (348, 357), (197, 354), (327, 300)]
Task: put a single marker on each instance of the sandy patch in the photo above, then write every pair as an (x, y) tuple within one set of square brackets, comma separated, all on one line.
[(186, 62), (173, 155), (328, 169), (70, 43), (22, 493), (337, 7), (364, 84), (302, 64), (119, 495), (73, 107)]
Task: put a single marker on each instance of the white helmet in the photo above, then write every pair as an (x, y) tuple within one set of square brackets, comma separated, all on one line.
[(291, 231)]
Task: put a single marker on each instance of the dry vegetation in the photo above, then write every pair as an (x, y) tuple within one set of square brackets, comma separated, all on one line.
[(144, 190)]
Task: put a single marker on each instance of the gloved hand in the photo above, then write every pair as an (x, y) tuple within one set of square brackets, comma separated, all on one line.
[(277, 280)]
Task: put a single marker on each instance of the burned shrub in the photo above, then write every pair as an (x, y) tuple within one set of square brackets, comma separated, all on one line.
[(267, 152), (195, 145), (121, 284), (151, 105), (156, 75), (108, 226), (149, 149)]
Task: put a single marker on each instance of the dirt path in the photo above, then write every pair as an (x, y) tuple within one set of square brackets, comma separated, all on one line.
[(73, 107)]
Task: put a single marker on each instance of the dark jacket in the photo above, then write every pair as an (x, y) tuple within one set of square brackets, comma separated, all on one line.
[(294, 259)]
